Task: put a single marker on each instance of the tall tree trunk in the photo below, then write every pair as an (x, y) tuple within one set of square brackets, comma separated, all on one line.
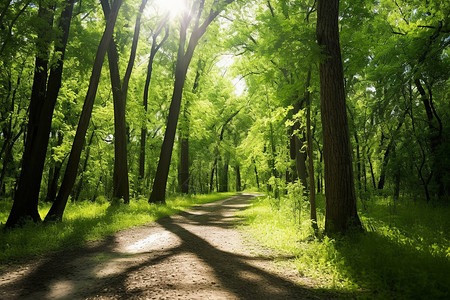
[(300, 161), (372, 174), (223, 186), (54, 173), (341, 213), (256, 173), (184, 165), (183, 60), (184, 133), (121, 188), (57, 209), (79, 186), (435, 139), (153, 51), (386, 157), (312, 188), (9, 139), (211, 178), (319, 173), (358, 163), (397, 176), (27, 194), (238, 179), (271, 160)]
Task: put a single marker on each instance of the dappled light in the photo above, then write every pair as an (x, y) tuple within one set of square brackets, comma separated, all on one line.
[(224, 149)]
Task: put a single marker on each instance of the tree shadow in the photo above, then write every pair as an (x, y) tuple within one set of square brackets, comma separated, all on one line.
[(77, 274), (393, 269)]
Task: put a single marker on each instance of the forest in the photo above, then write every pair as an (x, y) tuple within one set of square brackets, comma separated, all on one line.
[(337, 111)]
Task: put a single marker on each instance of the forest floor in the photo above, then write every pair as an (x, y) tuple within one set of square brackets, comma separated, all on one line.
[(197, 254)]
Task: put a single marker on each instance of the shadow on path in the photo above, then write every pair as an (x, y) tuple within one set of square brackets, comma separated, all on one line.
[(198, 255)]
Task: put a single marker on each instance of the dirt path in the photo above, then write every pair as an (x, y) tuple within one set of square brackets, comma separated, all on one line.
[(196, 254)]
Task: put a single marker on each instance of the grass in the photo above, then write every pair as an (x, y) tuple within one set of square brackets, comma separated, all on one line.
[(85, 221), (404, 253)]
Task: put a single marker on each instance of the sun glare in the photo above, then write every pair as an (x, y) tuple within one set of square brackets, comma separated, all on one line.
[(174, 7)]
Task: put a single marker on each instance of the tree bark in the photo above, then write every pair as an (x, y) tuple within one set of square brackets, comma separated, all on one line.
[(57, 209), (435, 136), (54, 173), (27, 194), (120, 173), (184, 165), (211, 178), (341, 213), (358, 163), (256, 174), (300, 161), (183, 60), (153, 51), (238, 179), (312, 188), (79, 186), (121, 189)]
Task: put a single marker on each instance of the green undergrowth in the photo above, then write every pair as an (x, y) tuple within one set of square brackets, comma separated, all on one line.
[(85, 221), (404, 252)]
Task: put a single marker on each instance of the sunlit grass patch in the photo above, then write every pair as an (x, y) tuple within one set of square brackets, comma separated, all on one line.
[(85, 221), (404, 253)]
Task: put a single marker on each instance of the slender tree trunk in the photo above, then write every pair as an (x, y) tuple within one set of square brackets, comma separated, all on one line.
[(397, 176), (435, 138), (184, 165), (364, 172), (153, 51), (319, 173), (372, 173), (78, 188), (54, 174), (341, 213), (312, 188), (121, 188), (27, 194), (211, 178), (300, 161), (358, 163), (223, 186), (9, 139), (238, 179), (57, 209), (217, 179), (184, 155), (183, 60), (162, 172), (256, 174), (386, 157)]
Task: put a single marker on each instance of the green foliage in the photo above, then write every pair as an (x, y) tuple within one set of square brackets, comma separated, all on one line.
[(85, 221), (404, 253)]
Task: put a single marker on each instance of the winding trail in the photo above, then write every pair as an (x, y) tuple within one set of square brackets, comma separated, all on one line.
[(197, 254)]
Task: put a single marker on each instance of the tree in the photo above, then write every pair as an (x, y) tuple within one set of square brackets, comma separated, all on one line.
[(184, 57), (340, 196), (57, 209), (43, 99), (121, 189), (154, 49)]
